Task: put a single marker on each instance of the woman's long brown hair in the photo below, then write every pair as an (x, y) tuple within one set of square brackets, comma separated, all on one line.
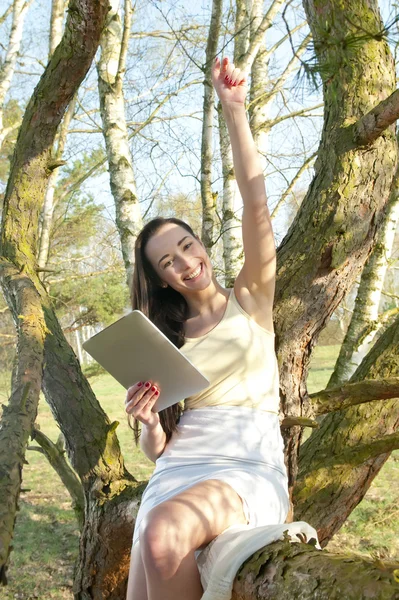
[(165, 307)]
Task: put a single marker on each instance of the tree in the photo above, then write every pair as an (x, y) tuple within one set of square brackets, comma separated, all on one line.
[(366, 321), (111, 70), (318, 261), (30, 169)]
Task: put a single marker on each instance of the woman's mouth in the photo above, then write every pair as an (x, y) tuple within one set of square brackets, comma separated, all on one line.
[(194, 274)]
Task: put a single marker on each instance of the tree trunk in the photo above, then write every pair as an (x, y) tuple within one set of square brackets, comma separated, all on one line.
[(284, 571), (208, 197), (341, 458), (335, 228), (365, 321), (19, 415), (57, 19), (20, 8), (232, 203), (111, 69), (49, 198), (29, 173)]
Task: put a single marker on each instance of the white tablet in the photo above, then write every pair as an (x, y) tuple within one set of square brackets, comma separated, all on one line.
[(133, 349)]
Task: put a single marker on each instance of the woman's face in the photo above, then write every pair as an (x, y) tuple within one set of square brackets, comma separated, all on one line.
[(179, 259)]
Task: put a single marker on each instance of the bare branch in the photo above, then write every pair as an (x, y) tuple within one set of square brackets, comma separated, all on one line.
[(291, 186), (256, 41), (127, 24)]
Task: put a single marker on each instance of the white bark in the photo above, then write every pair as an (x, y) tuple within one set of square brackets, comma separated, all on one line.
[(20, 8), (49, 199), (231, 210), (208, 198), (56, 24), (250, 53), (366, 320), (57, 16), (111, 69)]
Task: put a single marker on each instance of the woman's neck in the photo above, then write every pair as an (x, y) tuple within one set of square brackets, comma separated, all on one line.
[(206, 302)]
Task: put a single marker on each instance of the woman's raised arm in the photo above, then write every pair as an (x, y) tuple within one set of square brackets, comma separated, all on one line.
[(259, 270)]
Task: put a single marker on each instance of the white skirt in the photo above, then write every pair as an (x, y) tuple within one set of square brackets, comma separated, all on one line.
[(238, 445)]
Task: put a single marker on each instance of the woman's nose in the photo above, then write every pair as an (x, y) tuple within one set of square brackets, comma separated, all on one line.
[(184, 264)]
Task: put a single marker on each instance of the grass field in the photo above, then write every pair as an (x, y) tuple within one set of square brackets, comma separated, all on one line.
[(46, 535)]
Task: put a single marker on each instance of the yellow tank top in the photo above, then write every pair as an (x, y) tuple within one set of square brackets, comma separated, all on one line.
[(237, 356)]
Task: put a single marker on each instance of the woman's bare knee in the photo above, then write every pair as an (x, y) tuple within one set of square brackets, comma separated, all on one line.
[(187, 522), (163, 543)]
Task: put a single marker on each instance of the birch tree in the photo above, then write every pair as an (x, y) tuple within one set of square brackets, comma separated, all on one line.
[(208, 197), (251, 55), (57, 16), (111, 69), (19, 10), (367, 321)]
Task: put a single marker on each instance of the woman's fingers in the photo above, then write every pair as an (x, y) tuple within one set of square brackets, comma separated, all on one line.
[(145, 404), (133, 390), (138, 396)]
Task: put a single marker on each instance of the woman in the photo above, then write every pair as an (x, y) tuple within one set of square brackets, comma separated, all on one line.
[(222, 463)]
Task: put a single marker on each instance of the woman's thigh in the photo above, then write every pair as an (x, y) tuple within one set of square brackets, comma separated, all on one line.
[(137, 584), (193, 518)]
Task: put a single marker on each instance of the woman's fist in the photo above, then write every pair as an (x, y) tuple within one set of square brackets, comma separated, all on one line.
[(230, 83)]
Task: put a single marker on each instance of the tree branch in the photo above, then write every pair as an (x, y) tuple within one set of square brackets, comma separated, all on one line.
[(341, 397), (374, 123), (293, 570), (55, 454)]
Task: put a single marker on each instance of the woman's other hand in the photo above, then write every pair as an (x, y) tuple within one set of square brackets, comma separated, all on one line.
[(140, 399), (230, 83)]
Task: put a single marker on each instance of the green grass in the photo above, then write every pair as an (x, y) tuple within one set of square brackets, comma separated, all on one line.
[(46, 535)]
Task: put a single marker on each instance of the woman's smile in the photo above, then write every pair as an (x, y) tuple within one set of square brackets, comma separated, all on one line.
[(194, 275)]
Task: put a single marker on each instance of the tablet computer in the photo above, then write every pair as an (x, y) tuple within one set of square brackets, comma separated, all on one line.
[(133, 349)]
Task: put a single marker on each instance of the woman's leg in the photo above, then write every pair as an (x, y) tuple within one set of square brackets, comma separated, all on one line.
[(137, 584), (173, 530)]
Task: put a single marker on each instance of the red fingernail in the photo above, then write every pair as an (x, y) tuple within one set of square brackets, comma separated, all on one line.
[(156, 393), (153, 389), (147, 384), (140, 383)]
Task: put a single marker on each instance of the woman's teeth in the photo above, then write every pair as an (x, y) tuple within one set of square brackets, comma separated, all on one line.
[(195, 274)]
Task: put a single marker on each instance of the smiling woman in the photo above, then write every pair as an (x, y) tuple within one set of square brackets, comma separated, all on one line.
[(219, 461)]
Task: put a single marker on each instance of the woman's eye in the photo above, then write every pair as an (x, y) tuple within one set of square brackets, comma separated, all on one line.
[(188, 245), (167, 264)]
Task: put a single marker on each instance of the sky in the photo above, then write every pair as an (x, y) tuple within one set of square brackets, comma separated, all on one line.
[(159, 150)]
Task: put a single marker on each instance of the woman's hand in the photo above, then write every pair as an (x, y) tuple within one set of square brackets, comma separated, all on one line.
[(230, 83), (140, 398)]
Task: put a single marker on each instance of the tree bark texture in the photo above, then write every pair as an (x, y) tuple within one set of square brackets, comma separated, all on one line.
[(365, 321), (284, 571), (20, 8), (341, 458), (335, 228), (49, 203), (207, 196), (55, 454), (112, 107), (20, 413)]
